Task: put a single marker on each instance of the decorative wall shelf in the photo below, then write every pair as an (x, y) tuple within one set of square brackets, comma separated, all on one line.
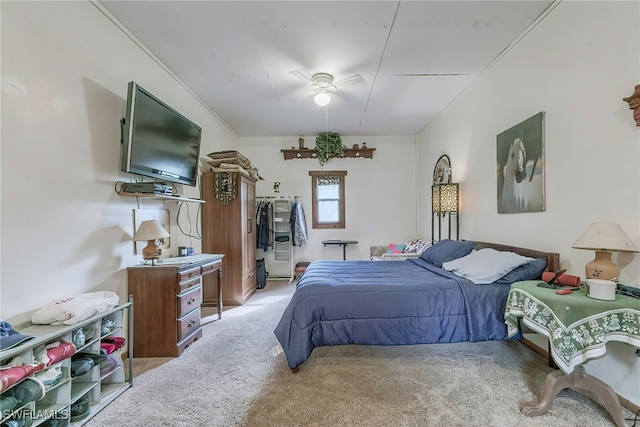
[(364, 153)]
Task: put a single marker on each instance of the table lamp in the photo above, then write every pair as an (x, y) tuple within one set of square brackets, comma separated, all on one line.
[(604, 238), (151, 231)]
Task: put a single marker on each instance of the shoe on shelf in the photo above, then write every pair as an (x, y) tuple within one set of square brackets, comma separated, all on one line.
[(111, 344), (97, 358), (50, 376), (29, 390), (14, 374), (108, 366), (81, 366), (80, 409), (52, 353), (8, 404)]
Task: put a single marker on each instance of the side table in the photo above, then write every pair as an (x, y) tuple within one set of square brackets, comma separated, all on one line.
[(578, 328), (343, 243)]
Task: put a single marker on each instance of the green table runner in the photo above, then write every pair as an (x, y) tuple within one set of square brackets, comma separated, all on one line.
[(578, 327)]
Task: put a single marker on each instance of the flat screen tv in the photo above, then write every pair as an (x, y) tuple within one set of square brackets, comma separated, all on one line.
[(158, 142)]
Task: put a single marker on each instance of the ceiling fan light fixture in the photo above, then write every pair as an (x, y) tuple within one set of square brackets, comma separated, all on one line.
[(322, 98)]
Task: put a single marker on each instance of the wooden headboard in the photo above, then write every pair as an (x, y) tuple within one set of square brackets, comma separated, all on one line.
[(553, 258)]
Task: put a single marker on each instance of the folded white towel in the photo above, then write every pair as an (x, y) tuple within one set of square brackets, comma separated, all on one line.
[(73, 309)]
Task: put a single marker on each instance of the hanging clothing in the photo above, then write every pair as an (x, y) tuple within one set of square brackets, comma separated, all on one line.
[(270, 222), (298, 225), (262, 226)]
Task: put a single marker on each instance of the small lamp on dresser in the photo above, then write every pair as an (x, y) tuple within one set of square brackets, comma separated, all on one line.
[(604, 238), (151, 231)]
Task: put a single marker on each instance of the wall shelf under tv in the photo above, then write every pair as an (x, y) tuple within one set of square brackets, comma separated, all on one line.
[(161, 196)]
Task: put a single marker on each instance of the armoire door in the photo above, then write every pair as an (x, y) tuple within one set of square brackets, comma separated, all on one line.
[(248, 231), (248, 194)]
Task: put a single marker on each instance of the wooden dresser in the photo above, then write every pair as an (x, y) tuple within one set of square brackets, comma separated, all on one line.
[(168, 297), (229, 227)]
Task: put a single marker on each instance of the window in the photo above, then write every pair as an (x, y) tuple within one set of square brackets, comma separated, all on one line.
[(327, 193)]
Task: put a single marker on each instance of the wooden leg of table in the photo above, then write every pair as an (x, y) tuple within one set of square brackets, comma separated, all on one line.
[(605, 393), (555, 382)]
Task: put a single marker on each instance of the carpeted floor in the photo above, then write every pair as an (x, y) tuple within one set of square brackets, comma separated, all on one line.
[(230, 378)]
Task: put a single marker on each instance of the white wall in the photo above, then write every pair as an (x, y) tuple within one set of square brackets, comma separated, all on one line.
[(576, 66), (379, 192), (65, 69)]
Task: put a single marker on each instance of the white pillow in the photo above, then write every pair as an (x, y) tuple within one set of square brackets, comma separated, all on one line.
[(416, 246), (73, 309), (485, 265)]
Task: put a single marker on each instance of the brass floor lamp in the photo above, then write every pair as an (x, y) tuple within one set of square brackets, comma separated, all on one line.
[(445, 201)]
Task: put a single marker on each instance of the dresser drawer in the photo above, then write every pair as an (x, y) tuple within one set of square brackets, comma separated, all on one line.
[(186, 342), (189, 301), (183, 286), (188, 324), (207, 268), (188, 274)]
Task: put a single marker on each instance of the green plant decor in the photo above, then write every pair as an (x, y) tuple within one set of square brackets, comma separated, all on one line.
[(328, 145)]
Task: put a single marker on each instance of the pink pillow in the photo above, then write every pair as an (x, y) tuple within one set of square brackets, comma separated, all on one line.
[(395, 249)]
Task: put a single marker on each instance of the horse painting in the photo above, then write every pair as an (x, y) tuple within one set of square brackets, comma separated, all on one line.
[(513, 194), (520, 169)]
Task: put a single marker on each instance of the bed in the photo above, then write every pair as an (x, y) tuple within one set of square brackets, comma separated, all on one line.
[(416, 301)]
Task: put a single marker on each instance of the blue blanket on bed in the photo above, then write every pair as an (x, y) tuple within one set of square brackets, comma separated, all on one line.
[(387, 303)]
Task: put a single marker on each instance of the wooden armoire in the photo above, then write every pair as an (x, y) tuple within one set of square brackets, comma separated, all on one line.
[(229, 228)]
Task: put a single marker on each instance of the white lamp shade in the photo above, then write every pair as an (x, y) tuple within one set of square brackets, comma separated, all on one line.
[(605, 236), (150, 230), (322, 98)]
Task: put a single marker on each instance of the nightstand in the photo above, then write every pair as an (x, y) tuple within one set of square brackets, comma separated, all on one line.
[(578, 328)]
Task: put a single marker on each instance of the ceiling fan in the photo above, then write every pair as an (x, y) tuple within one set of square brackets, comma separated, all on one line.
[(323, 84)]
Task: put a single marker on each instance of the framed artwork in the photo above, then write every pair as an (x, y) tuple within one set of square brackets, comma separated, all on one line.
[(160, 215), (225, 187), (442, 170), (520, 167)]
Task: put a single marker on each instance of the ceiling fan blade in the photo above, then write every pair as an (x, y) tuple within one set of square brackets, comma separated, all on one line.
[(350, 81), (338, 97), (295, 94), (344, 98), (431, 74), (302, 74)]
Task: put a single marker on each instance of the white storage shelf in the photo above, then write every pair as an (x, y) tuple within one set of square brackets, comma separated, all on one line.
[(59, 397), (282, 245)]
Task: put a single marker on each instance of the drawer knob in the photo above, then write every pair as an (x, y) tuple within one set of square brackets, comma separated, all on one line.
[(191, 301), (191, 323)]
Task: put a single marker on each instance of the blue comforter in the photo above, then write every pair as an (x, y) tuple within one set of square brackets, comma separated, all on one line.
[(387, 303)]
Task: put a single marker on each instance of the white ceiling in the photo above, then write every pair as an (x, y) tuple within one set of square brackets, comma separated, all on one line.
[(237, 57)]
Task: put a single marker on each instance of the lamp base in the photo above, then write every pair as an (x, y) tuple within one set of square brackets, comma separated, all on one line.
[(602, 267), (151, 252)]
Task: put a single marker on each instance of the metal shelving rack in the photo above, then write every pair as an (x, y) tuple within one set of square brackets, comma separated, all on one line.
[(282, 244)]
